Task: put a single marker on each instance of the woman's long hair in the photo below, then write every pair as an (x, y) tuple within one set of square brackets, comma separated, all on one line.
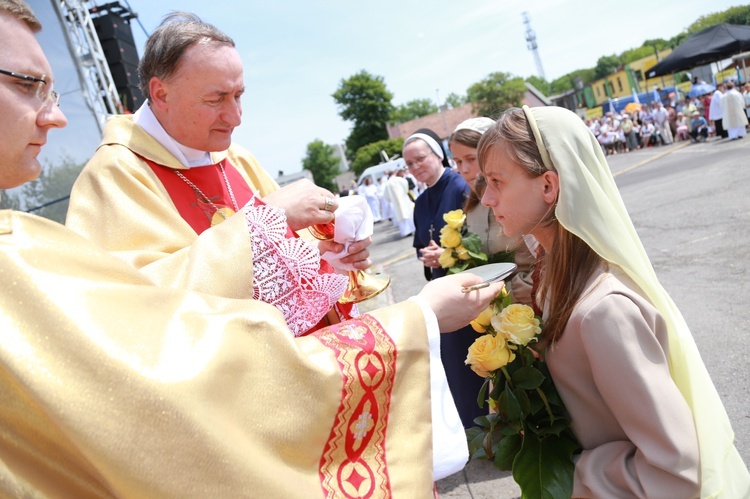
[(564, 272)]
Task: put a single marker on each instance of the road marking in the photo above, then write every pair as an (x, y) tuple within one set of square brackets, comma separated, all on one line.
[(398, 258), (649, 160)]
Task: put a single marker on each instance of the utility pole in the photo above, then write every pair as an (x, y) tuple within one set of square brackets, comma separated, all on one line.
[(531, 45)]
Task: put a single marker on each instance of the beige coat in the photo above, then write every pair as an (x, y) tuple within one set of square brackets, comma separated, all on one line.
[(610, 367)]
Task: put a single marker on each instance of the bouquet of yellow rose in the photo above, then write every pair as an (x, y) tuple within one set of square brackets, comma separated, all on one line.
[(463, 249), (528, 432)]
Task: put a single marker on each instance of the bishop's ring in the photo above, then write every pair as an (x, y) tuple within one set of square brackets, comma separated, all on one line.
[(329, 204)]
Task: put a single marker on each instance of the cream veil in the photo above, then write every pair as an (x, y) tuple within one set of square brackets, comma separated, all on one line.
[(590, 207)]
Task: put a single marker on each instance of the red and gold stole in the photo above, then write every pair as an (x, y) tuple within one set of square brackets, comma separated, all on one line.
[(354, 463), (198, 212)]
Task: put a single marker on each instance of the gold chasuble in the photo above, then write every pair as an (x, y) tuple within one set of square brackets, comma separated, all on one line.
[(119, 203), (186, 227), (114, 387)]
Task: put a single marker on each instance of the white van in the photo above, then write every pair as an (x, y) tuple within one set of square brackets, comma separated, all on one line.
[(377, 171)]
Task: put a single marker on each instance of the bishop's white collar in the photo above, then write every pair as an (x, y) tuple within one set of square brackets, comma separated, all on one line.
[(188, 156)]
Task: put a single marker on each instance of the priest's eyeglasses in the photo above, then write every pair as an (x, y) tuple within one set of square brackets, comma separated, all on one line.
[(45, 96)]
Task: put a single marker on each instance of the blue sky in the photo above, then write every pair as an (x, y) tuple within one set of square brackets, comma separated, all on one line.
[(297, 52)]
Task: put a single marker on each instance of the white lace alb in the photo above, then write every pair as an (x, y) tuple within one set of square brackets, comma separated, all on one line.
[(285, 270)]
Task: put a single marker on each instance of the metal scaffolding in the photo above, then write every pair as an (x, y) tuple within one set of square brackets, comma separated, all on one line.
[(96, 80)]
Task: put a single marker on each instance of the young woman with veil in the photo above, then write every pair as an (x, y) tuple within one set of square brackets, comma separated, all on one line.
[(643, 406)]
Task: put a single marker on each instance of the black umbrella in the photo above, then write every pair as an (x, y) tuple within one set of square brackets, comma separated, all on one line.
[(706, 46)]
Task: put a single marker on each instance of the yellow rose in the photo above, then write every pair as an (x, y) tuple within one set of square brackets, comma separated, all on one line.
[(483, 320), (449, 238), (478, 327), (517, 323), (463, 253), (446, 259), (489, 353), (485, 317), (455, 219)]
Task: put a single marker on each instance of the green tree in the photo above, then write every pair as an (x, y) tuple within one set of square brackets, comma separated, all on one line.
[(52, 189), (369, 155), (412, 110), (733, 15), (322, 162), (496, 93), (636, 54), (657, 44), (364, 100), (539, 83), (9, 200), (455, 100), (738, 15), (606, 65), (567, 82)]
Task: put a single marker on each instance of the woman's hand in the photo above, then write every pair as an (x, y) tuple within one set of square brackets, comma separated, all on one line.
[(430, 255)]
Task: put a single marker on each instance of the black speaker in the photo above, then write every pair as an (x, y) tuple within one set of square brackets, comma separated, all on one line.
[(116, 51), (124, 74), (112, 25), (126, 80), (131, 98)]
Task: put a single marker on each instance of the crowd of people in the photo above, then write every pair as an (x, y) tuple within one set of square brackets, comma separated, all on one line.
[(390, 197), (676, 119)]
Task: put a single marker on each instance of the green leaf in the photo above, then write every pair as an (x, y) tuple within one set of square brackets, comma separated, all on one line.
[(472, 243), (482, 421), (477, 256), (509, 428), (458, 267), (507, 300), (529, 358), (509, 405), (528, 378), (506, 450), (475, 439), (483, 392), (503, 257), (472, 433), (523, 401), (543, 468), (497, 388)]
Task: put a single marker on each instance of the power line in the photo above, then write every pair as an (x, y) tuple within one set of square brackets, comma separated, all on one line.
[(48, 203)]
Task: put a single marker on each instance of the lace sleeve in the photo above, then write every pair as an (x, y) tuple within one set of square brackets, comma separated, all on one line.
[(285, 270)]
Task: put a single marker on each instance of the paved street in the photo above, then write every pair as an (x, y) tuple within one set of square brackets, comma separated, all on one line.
[(691, 207)]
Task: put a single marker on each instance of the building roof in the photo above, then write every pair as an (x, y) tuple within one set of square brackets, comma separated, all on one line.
[(443, 123)]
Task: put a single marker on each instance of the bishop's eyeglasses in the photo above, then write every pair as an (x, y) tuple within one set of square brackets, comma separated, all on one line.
[(45, 96)]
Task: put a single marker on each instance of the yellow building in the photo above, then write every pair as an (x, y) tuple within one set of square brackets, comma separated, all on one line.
[(641, 66), (625, 82)]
